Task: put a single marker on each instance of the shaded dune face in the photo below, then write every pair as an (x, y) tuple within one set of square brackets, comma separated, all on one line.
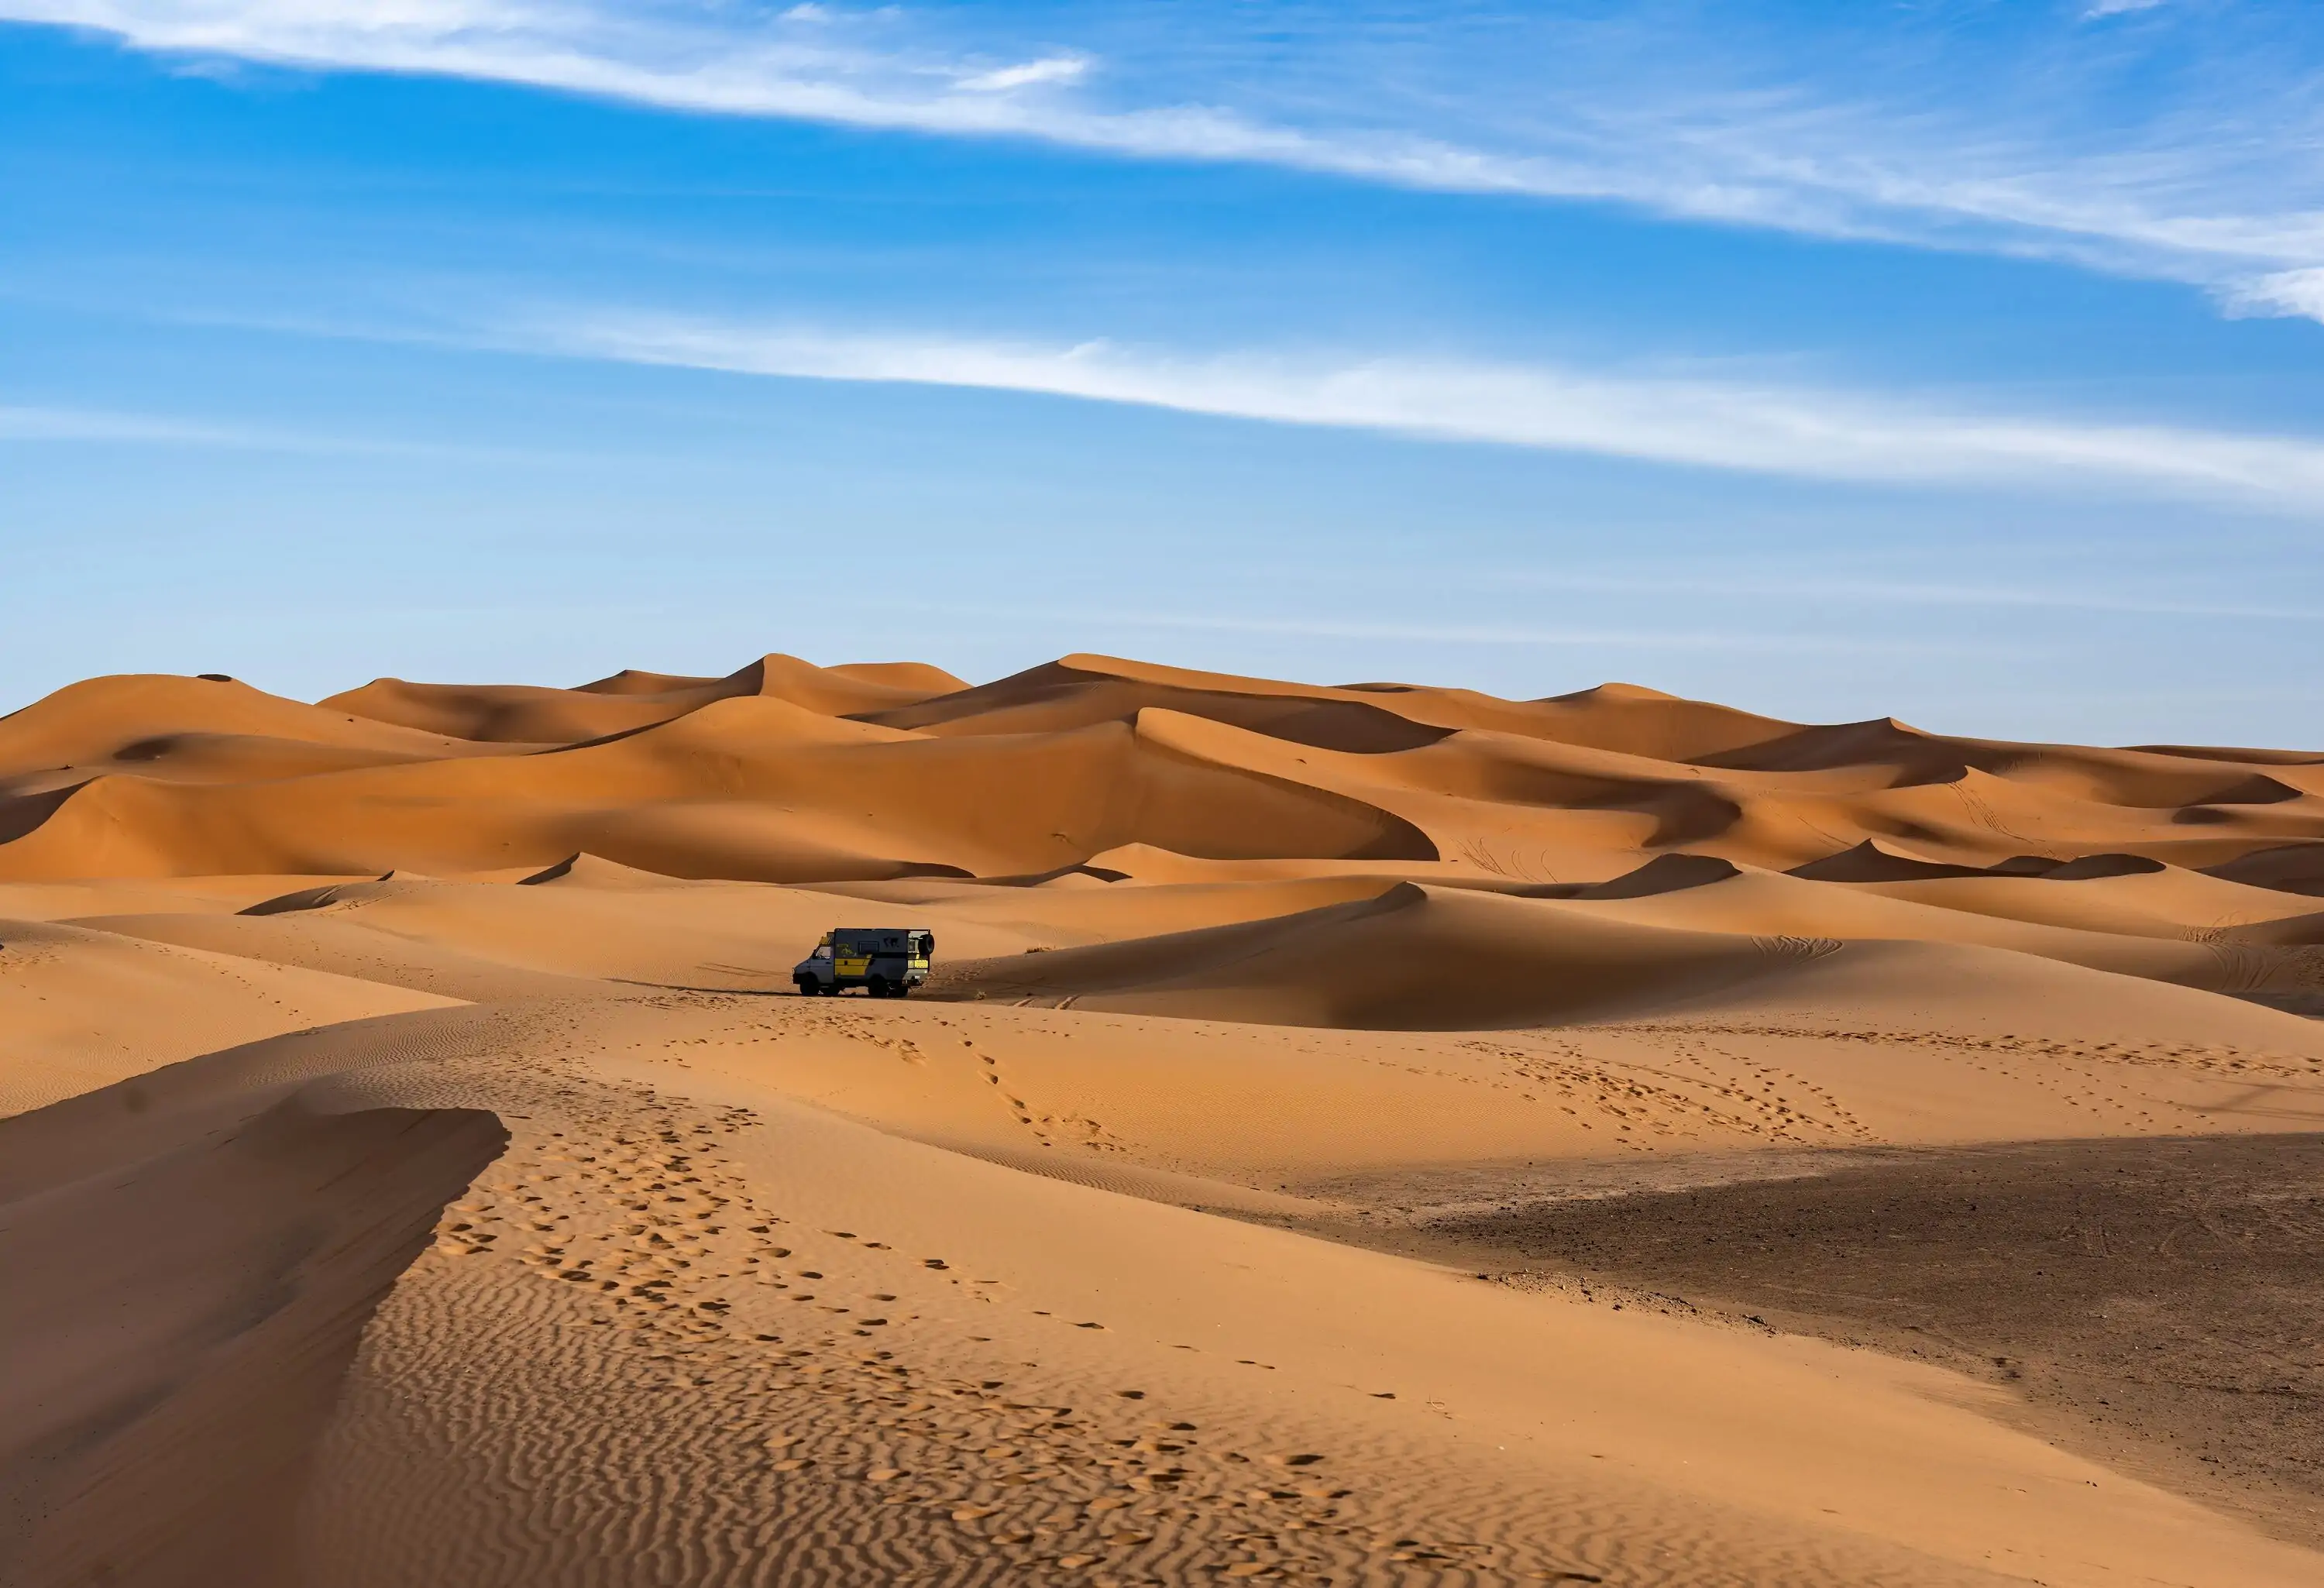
[(1414, 958), (2294, 868), (203, 1278)]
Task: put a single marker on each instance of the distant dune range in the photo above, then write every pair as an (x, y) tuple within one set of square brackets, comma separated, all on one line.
[(406, 1090)]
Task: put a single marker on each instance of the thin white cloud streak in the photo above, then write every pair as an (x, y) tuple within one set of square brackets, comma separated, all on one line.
[(1055, 68), (1798, 432), (1795, 432), (79, 424), (2229, 215), (647, 57), (44, 426)]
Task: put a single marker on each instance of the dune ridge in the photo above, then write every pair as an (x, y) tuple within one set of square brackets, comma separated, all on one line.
[(783, 771), (417, 1074), (256, 1253)]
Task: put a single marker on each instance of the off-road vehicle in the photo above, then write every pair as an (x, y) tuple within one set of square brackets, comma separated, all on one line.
[(886, 962)]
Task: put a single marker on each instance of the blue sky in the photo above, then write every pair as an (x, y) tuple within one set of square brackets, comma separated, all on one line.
[(1954, 360)]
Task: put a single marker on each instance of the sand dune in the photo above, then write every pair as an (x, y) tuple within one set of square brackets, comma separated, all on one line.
[(521, 714), (2164, 901), (145, 721), (57, 901), (81, 1009), (1414, 957), (1057, 1271), (2293, 868), (173, 1444), (782, 772), (342, 946)]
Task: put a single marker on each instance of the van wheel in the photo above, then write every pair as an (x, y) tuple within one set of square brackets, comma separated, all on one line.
[(877, 986), (805, 985)]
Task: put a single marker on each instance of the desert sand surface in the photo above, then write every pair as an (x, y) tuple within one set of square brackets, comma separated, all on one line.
[(1360, 1134)]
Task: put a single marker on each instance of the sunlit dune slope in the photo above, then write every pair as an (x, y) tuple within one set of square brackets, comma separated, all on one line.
[(185, 730), (81, 1009)]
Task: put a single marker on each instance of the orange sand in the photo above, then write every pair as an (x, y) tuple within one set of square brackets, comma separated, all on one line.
[(418, 1171)]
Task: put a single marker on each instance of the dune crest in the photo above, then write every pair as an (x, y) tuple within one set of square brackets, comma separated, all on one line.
[(583, 870)]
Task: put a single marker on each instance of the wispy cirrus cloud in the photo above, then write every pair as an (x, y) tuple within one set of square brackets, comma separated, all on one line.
[(1765, 428), (2188, 156), (2281, 292), (27, 423), (1790, 431), (1050, 69), (33, 425)]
